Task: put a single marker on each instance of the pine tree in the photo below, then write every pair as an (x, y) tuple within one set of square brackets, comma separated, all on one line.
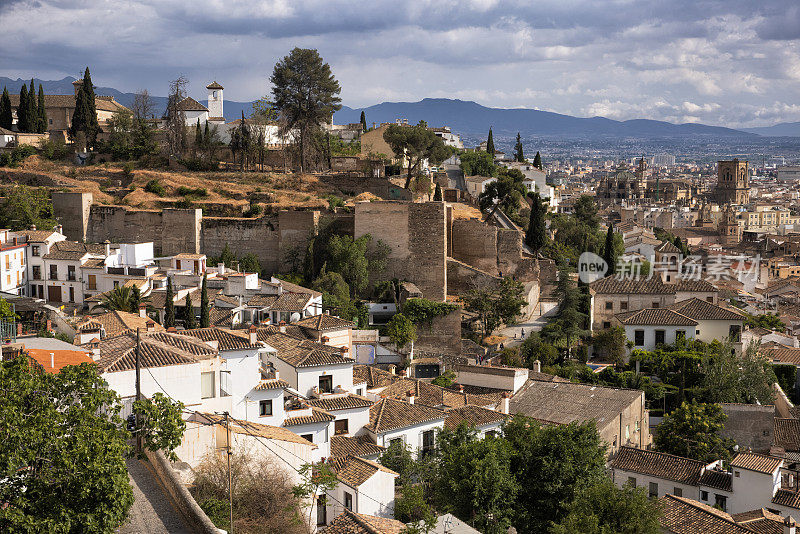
[(537, 160), (363, 122), (205, 308), (42, 112), (518, 155), (536, 237), (169, 306), (6, 114), (33, 110), (609, 254), (188, 314), (22, 110), (490, 143), (437, 196)]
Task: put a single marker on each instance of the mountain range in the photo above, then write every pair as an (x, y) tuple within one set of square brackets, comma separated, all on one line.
[(471, 119)]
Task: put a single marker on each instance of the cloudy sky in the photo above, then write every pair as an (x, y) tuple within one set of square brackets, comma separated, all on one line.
[(722, 62)]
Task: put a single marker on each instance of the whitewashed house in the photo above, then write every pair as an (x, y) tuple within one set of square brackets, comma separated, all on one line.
[(13, 271), (39, 243), (410, 424), (363, 486)]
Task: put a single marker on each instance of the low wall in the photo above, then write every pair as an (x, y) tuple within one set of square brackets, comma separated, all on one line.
[(181, 498), (783, 406)]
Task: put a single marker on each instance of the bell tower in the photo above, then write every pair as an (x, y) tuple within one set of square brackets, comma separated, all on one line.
[(214, 100), (733, 182), (729, 231)]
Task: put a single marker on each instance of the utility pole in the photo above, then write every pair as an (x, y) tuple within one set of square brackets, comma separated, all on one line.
[(230, 476), (138, 393)]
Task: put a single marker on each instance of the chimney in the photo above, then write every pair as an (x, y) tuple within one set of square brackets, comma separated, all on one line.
[(151, 325), (504, 402), (789, 525), (143, 311), (52, 361), (410, 396), (393, 369), (324, 339), (221, 269), (276, 374), (108, 248), (282, 327), (60, 229), (537, 366), (172, 329), (33, 228), (253, 334)]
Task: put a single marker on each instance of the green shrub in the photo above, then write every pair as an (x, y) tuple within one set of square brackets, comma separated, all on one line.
[(127, 170), (195, 164), (334, 202), (254, 210), (188, 191), (155, 187), (55, 149), (17, 155)]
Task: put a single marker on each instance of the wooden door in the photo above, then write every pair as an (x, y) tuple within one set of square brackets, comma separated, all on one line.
[(54, 293)]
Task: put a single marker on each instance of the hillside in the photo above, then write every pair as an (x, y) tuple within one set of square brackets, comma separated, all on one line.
[(782, 129)]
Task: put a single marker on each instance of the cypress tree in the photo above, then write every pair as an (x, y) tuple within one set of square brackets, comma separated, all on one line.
[(207, 135), (22, 109), (6, 116), (84, 118), (205, 308), (169, 306), (537, 160), (42, 112), (198, 135), (609, 254), (363, 122), (490, 143), (518, 155), (437, 196), (33, 110), (136, 299), (535, 236), (188, 314)]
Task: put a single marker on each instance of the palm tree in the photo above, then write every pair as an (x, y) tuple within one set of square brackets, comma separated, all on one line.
[(121, 298)]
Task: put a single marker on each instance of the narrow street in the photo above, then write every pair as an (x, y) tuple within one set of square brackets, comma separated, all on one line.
[(152, 511), (532, 324)]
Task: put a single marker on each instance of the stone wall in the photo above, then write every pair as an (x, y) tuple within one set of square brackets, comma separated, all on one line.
[(72, 212), (442, 334), (415, 233), (496, 251), (243, 236), (462, 277), (750, 425)]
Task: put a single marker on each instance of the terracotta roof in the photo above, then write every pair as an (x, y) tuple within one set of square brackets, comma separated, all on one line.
[(787, 433), (686, 516), (782, 354), (221, 317), (226, 340), (272, 383), (101, 103), (260, 430), (787, 497), (658, 464), (702, 310), (61, 358), (190, 104), (261, 301), (352, 523), (156, 350), (432, 395), (565, 402), (761, 521), (342, 446), (288, 286), (668, 248), (214, 85), (391, 414), (35, 236), (374, 377), (290, 301), (717, 479), (345, 402), (317, 416), (760, 463), (653, 286), (655, 317), (70, 250), (116, 323), (303, 353), (324, 322), (354, 471), (473, 416)]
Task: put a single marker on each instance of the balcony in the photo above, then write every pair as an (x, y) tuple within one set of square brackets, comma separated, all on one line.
[(137, 271), (116, 270)]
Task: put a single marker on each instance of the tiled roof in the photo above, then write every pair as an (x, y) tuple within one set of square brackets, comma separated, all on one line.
[(288, 286), (342, 446), (760, 463), (787, 433), (291, 302), (668, 248), (658, 464), (374, 377), (260, 430), (158, 349), (761, 521), (653, 286), (354, 471), (787, 497), (221, 317), (70, 250), (686, 516), (60, 358), (324, 322), (261, 301), (432, 395), (272, 383), (68, 101), (391, 414), (225, 339), (655, 317), (473, 416), (345, 402), (303, 353), (317, 416), (35, 236), (190, 104), (717, 479), (565, 402), (702, 310), (783, 354), (214, 85), (116, 323), (352, 523)]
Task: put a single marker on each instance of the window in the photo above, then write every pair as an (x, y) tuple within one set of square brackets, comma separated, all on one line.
[(678, 492), (92, 281), (660, 337), (54, 272), (348, 501), (704, 495), (308, 437), (340, 426), (399, 441), (207, 385), (326, 384), (37, 272), (735, 333), (680, 334), (322, 510), (623, 306), (737, 474), (638, 338), (224, 383), (721, 502), (34, 250), (265, 408), (360, 391), (606, 324), (632, 481), (609, 305), (427, 441), (656, 304), (653, 493), (71, 273), (627, 432), (710, 299)]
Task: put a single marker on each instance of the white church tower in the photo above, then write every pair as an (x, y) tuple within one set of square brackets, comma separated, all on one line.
[(215, 102)]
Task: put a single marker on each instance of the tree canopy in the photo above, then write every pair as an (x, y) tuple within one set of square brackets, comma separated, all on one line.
[(519, 156), (6, 112), (692, 431), (536, 236), (497, 304), (84, 117), (490, 144), (417, 144)]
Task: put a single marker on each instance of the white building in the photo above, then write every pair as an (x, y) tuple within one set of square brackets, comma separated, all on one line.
[(39, 243), (195, 112), (13, 271), (477, 184), (412, 425)]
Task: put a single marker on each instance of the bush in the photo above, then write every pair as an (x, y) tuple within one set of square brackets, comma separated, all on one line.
[(195, 164), (188, 191), (55, 149), (786, 375), (155, 187), (17, 155), (334, 202), (127, 170), (254, 210)]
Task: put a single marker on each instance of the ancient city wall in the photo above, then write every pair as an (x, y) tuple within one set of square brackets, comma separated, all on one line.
[(496, 251), (442, 334)]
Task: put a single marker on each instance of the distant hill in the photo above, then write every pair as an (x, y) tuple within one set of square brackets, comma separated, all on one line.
[(782, 129), (470, 118)]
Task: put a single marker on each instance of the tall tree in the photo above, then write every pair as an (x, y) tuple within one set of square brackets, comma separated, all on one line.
[(6, 114), (306, 94), (169, 306), (518, 155), (536, 236), (417, 144), (490, 143), (205, 307), (692, 431), (537, 160), (22, 110), (437, 196), (198, 136), (42, 111), (189, 320), (363, 122), (609, 253), (33, 110), (84, 118), (175, 116)]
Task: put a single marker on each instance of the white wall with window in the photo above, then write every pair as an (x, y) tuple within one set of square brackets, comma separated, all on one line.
[(317, 433), (349, 422), (417, 437), (326, 378), (648, 337)]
